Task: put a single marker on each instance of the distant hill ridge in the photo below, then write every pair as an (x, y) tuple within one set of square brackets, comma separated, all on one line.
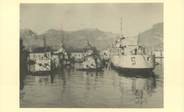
[(152, 38), (75, 39), (78, 39)]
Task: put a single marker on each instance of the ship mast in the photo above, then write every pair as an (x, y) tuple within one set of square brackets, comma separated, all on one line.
[(121, 23), (121, 27)]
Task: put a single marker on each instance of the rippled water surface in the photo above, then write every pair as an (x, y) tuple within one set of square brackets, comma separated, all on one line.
[(72, 88)]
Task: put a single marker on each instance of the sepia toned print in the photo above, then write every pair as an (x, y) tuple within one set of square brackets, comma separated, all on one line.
[(91, 55)]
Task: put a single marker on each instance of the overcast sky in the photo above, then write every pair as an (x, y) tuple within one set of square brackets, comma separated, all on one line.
[(106, 17)]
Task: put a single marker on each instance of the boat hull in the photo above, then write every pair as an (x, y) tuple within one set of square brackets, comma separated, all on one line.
[(133, 70), (133, 63), (90, 69)]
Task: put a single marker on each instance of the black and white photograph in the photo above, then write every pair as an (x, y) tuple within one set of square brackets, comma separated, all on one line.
[(91, 55)]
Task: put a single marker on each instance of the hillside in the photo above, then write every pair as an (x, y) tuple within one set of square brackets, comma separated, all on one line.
[(152, 38), (75, 39)]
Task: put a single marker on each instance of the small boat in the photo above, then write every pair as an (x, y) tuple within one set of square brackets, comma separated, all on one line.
[(92, 61), (91, 64)]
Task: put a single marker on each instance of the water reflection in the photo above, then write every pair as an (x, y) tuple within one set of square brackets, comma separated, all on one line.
[(72, 88), (142, 85), (42, 80)]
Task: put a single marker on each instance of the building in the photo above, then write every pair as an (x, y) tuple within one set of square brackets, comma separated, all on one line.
[(78, 55), (39, 62)]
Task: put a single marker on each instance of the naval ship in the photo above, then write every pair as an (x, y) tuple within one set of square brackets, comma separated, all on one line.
[(131, 58)]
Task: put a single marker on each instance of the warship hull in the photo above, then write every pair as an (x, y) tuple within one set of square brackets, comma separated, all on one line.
[(133, 63)]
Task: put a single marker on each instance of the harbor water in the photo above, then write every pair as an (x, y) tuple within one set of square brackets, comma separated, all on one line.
[(83, 89)]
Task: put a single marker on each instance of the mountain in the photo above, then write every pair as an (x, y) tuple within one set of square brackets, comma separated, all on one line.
[(75, 39), (30, 38), (152, 38)]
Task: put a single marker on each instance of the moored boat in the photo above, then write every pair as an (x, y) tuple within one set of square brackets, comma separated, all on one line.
[(131, 57), (91, 64), (92, 61)]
